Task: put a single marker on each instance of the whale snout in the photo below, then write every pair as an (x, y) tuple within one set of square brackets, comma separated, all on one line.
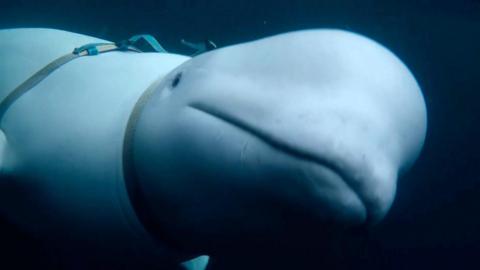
[(333, 98), (348, 174), (294, 131)]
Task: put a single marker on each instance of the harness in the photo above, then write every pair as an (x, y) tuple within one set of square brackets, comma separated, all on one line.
[(92, 49), (86, 50)]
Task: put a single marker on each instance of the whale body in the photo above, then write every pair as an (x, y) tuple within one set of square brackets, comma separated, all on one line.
[(239, 146)]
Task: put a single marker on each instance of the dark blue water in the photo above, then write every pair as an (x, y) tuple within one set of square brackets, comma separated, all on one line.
[(435, 221)]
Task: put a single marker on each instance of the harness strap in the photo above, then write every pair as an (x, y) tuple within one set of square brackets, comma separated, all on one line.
[(137, 39), (86, 50), (33, 81), (200, 47), (134, 191)]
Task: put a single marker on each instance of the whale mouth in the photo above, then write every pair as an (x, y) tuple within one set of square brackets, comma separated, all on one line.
[(288, 149)]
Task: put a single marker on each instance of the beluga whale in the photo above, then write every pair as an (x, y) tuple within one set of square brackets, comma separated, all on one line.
[(144, 160)]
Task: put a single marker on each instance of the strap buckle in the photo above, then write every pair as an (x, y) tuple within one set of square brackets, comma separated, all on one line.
[(89, 49)]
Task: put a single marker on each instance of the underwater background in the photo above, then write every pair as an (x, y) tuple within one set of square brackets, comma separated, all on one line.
[(435, 220)]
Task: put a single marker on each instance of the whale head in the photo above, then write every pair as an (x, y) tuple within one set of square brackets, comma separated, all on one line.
[(271, 137)]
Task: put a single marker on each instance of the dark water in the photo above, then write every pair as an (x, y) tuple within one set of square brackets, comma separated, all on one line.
[(435, 221)]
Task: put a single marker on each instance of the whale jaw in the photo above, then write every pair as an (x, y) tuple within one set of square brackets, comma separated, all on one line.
[(336, 184)]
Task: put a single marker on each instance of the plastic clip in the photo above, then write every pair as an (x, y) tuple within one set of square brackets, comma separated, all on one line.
[(91, 49)]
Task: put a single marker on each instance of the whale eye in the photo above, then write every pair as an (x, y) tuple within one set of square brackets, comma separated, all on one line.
[(176, 80)]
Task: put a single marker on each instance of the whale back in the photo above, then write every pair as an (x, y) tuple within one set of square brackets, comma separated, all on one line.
[(25, 51)]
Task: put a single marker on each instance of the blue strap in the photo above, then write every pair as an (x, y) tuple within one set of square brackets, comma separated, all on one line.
[(133, 41), (200, 47)]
